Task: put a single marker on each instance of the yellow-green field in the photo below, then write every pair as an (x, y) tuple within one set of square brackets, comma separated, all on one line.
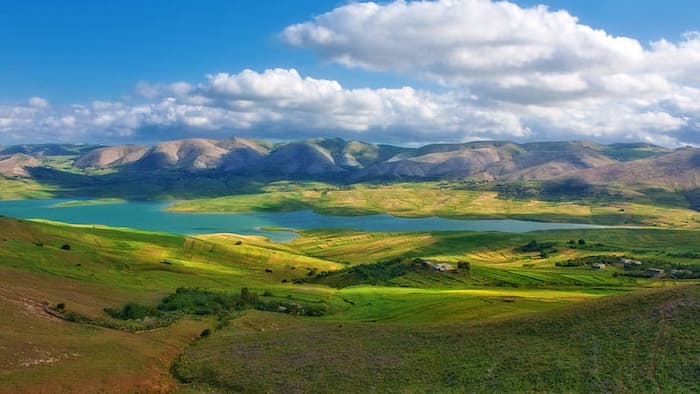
[(19, 188), (432, 199), (96, 201), (512, 321)]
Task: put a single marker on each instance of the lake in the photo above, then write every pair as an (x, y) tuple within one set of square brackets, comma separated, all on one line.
[(148, 215)]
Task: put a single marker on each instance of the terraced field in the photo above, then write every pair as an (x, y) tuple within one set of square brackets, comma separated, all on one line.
[(414, 328)]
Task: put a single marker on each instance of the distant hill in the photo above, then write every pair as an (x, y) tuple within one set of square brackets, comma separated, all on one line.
[(679, 169), (355, 161), (16, 165), (47, 149), (188, 154), (359, 161)]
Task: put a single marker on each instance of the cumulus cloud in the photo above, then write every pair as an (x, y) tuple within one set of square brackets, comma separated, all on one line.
[(38, 102), (491, 70), (481, 41), (276, 103), (282, 104), (462, 41), (531, 61)]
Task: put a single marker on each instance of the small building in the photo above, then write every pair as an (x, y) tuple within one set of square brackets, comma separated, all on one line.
[(598, 266), (655, 272), (442, 267), (629, 262), (680, 273)]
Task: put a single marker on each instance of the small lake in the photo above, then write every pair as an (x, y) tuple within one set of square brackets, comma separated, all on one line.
[(148, 215)]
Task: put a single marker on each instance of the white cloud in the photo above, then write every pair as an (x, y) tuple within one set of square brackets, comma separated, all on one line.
[(38, 102), (499, 71), (516, 59), (280, 103), (463, 41), (277, 103)]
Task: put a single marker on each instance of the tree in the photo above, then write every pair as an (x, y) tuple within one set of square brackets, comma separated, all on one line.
[(248, 297)]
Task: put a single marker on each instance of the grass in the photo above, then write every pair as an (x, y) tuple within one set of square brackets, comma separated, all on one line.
[(21, 188), (421, 331), (422, 306), (431, 199), (43, 354), (97, 201), (143, 261), (638, 342)]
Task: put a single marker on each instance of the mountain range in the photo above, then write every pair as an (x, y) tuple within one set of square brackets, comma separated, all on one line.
[(354, 161)]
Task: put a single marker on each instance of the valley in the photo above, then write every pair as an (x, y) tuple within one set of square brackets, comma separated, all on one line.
[(400, 196), (609, 307)]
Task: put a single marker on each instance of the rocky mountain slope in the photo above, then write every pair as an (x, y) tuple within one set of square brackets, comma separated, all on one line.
[(16, 165), (355, 161)]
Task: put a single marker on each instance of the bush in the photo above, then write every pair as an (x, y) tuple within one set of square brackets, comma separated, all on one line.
[(464, 265), (534, 246), (65, 247), (205, 333), (589, 260), (200, 302), (132, 311), (248, 297)]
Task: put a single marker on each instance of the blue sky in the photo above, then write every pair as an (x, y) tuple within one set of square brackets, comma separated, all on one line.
[(442, 71)]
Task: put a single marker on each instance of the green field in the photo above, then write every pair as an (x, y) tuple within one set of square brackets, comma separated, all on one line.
[(513, 320), (437, 199), (641, 342)]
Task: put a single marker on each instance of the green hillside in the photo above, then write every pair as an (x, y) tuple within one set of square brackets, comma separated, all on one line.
[(345, 310), (641, 342)]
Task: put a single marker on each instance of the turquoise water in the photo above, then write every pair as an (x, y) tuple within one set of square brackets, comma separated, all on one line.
[(151, 216)]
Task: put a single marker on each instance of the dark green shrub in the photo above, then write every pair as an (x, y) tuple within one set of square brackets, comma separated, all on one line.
[(464, 265), (248, 297), (132, 311)]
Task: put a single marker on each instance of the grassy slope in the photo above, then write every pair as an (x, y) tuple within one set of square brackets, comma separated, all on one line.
[(642, 342), (109, 267), (20, 188), (43, 354)]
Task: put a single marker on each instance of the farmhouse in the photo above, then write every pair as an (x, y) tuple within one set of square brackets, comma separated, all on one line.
[(442, 267), (629, 262), (655, 272), (598, 266)]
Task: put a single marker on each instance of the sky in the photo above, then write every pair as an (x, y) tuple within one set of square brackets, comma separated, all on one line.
[(401, 72)]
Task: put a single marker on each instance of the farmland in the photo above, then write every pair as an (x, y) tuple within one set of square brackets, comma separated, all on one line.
[(449, 200), (415, 328)]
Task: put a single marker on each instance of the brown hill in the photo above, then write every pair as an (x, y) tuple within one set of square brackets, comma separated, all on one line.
[(241, 154), (301, 158), (113, 156), (190, 154), (492, 161), (16, 165), (504, 161), (679, 169)]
